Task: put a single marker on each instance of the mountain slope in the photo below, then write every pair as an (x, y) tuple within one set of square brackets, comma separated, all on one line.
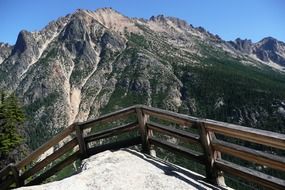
[(268, 50), (5, 51), (89, 63)]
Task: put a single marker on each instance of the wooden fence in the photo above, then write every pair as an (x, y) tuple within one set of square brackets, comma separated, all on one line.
[(74, 143)]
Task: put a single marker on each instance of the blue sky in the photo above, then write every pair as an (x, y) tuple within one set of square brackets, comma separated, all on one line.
[(252, 19)]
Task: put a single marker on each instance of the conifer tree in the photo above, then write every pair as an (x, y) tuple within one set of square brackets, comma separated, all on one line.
[(11, 119)]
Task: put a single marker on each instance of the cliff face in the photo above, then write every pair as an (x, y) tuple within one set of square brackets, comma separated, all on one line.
[(127, 170), (268, 50), (93, 62), (5, 51)]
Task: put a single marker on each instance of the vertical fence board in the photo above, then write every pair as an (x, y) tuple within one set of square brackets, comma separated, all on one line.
[(81, 143), (214, 175), (208, 128), (142, 119)]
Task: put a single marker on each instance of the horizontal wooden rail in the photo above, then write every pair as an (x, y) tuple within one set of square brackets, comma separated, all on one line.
[(19, 180), (196, 156), (121, 114), (14, 177), (248, 134), (181, 119), (111, 132), (46, 146), (61, 151), (115, 145), (211, 156), (184, 135), (62, 164), (267, 181), (250, 154)]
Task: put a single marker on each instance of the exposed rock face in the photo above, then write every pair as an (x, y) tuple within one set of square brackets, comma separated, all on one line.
[(267, 50), (5, 51), (93, 62), (244, 46), (270, 49), (127, 170)]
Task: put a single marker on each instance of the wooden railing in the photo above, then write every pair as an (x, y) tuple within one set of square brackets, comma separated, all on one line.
[(79, 141)]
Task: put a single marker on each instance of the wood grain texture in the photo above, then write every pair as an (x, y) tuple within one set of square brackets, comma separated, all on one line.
[(121, 114), (267, 181), (263, 137), (17, 179), (111, 132), (55, 155), (142, 119), (184, 135), (115, 145), (250, 154), (170, 116), (211, 157), (59, 166), (188, 153), (81, 142), (213, 175), (60, 136)]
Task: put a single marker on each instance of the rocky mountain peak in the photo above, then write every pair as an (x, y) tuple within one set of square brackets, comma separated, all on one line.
[(244, 46), (4, 45), (108, 18), (83, 65), (158, 18), (161, 19), (5, 51), (267, 39), (269, 43), (268, 50), (107, 10), (24, 40), (101, 11), (179, 22), (243, 41), (171, 26), (271, 50)]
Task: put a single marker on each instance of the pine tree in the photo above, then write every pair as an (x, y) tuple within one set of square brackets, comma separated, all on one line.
[(11, 119)]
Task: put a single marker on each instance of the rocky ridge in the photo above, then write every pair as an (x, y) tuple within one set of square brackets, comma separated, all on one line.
[(93, 62), (5, 51), (268, 50)]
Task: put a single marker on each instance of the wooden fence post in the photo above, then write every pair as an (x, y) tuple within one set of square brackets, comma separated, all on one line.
[(81, 142), (16, 176), (151, 147), (142, 119), (214, 175)]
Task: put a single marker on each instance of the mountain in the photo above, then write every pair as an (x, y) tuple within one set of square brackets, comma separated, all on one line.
[(92, 62), (5, 51), (268, 50)]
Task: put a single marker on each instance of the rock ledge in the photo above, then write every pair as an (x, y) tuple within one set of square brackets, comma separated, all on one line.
[(127, 170)]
